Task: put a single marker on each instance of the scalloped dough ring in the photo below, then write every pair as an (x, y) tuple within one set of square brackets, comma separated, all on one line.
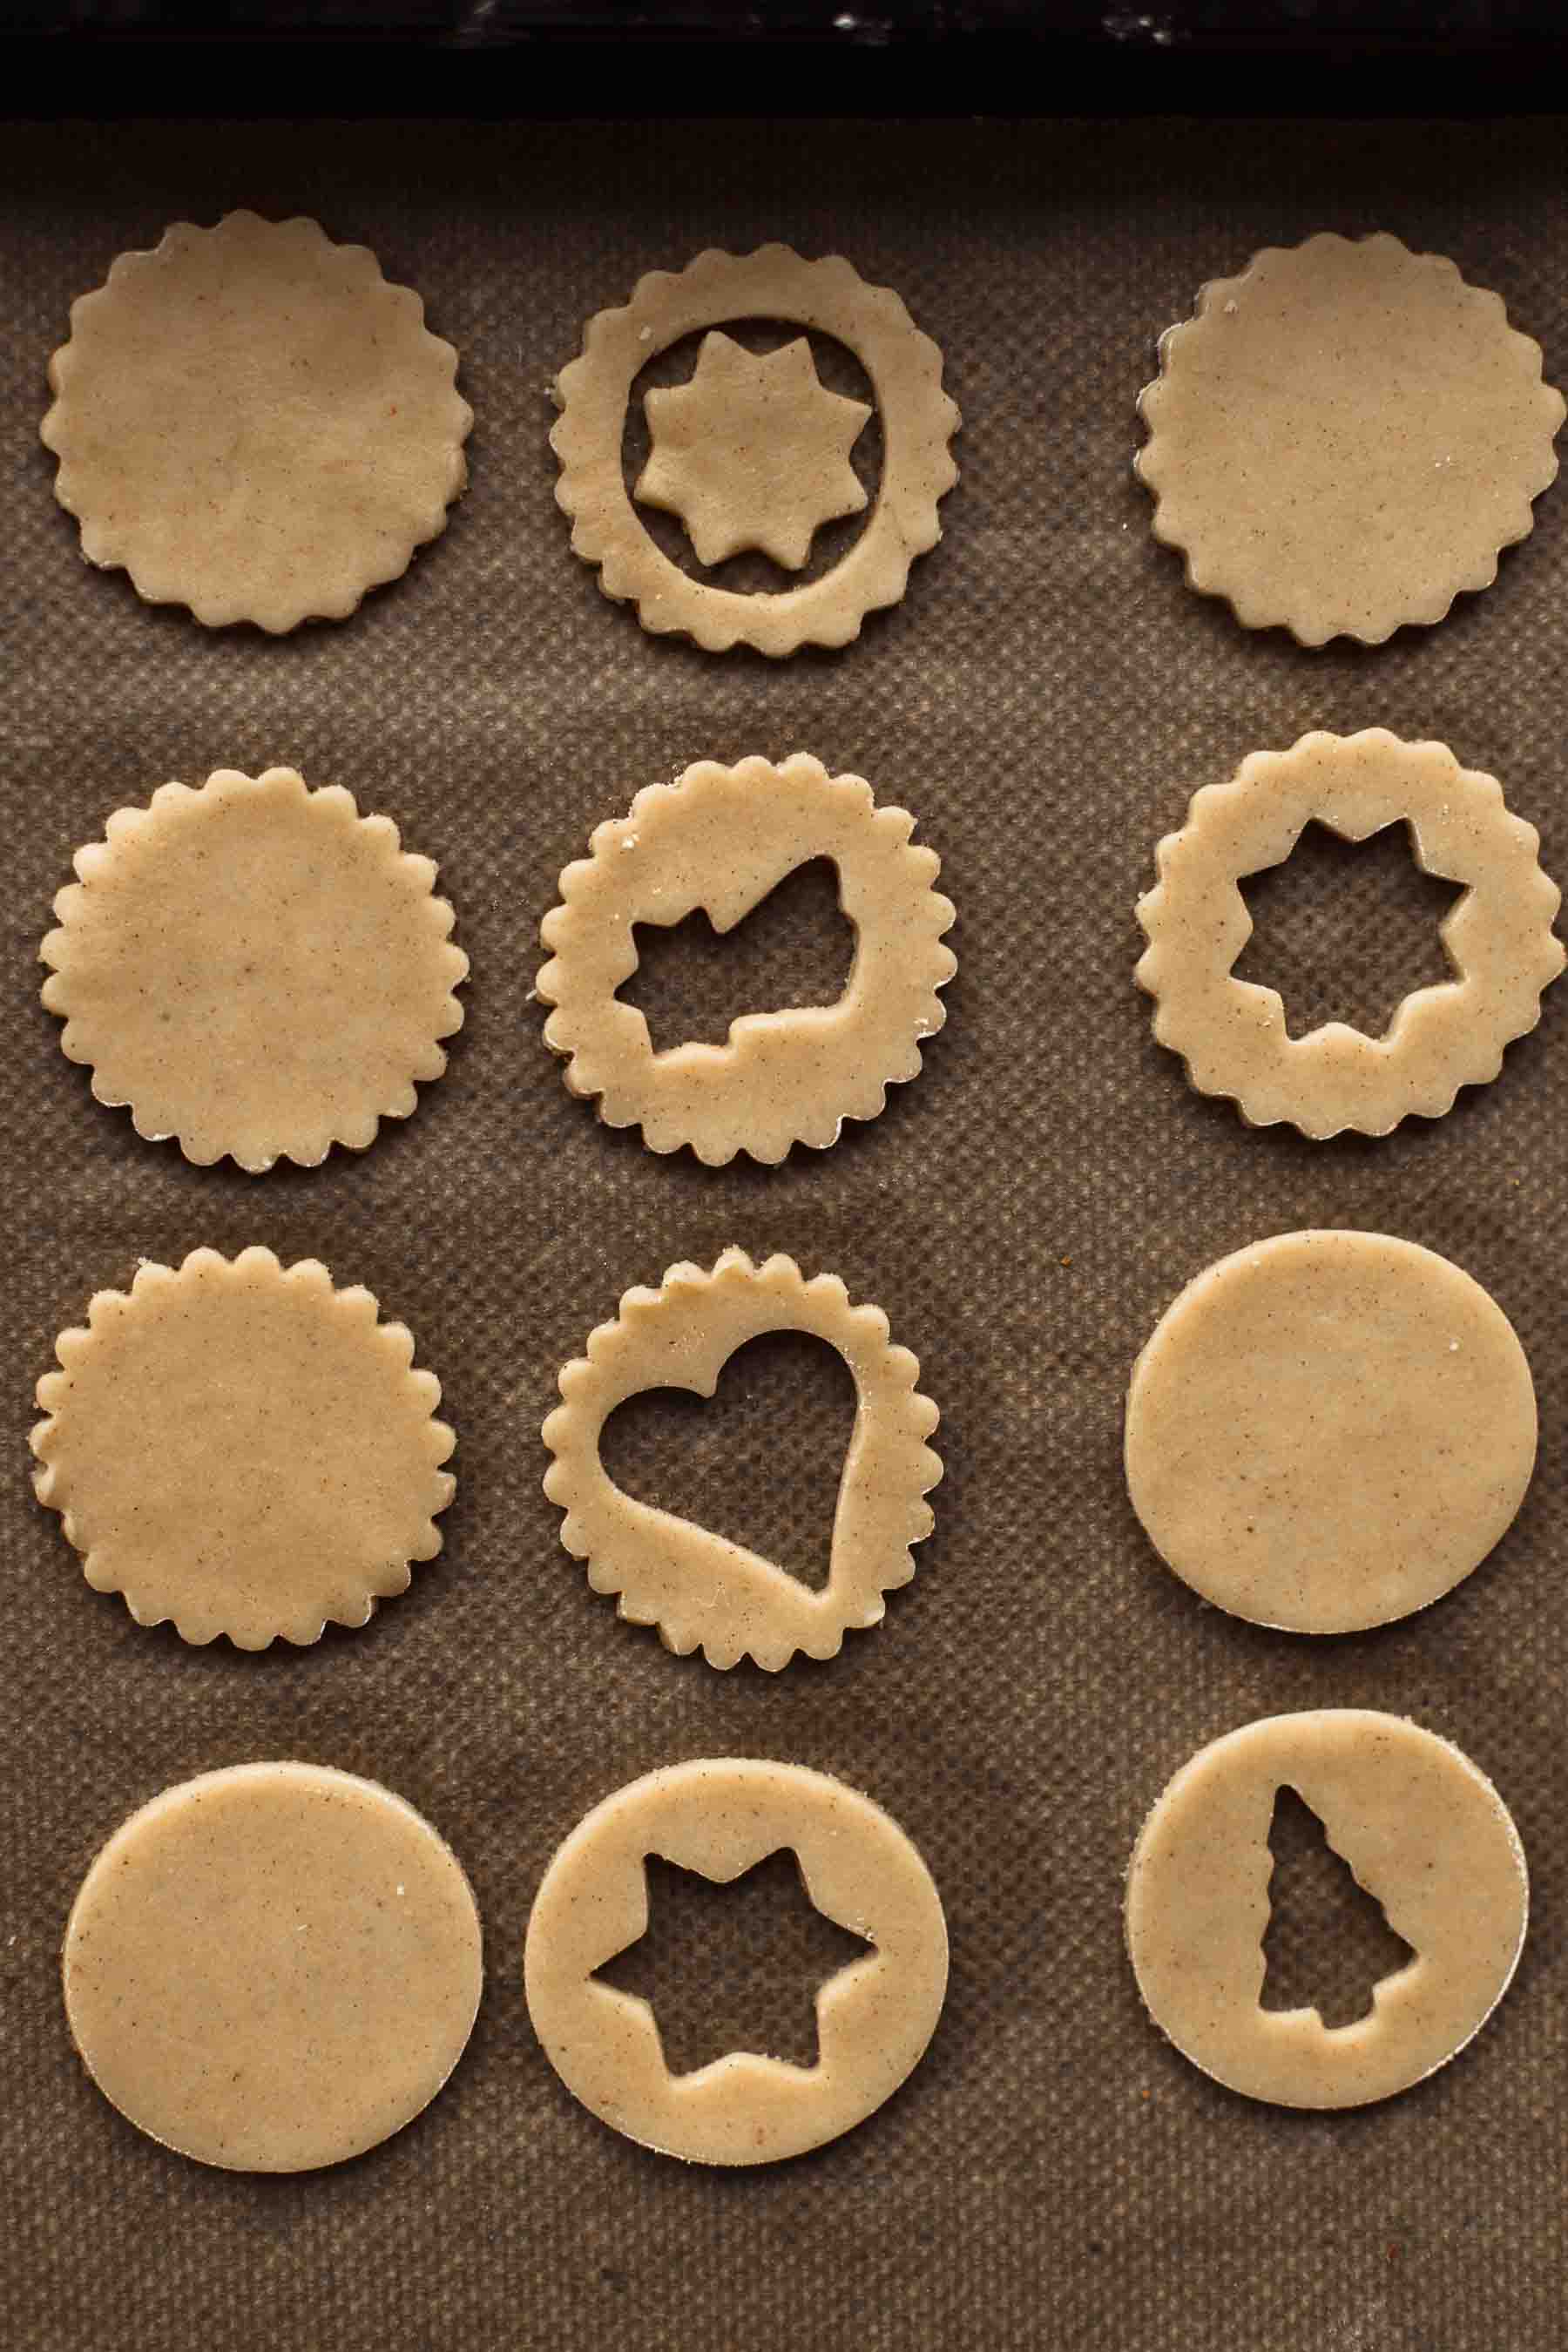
[(1424, 1833), (1345, 437), (254, 423), (254, 969), (242, 1449), (721, 839), (875, 2018), (918, 420), (1231, 1035), (702, 1589)]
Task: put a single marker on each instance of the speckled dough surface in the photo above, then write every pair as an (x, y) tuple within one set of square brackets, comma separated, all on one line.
[(255, 968), (1345, 437), (720, 1818), (1231, 1035), (1330, 1430), (254, 423), (711, 463), (705, 1590), (1425, 1833), (242, 1449), (721, 839), (273, 1967)]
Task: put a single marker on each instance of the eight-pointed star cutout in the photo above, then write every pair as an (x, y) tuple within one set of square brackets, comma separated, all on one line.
[(753, 452), (731, 1967)]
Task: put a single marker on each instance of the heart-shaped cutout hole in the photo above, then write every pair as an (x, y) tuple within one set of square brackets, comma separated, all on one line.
[(794, 948)]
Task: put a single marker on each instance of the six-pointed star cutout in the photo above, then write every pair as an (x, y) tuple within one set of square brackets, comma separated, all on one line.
[(762, 1942), (753, 452)]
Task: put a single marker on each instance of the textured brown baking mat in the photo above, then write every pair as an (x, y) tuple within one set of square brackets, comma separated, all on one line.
[(1045, 698)]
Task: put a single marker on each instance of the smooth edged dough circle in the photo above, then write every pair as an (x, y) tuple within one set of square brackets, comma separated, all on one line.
[(1345, 437), (273, 1967), (241, 1448), (1424, 1831), (254, 423), (702, 1589), (1330, 1430), (720, 1818), (1231, 1035), (254, 969), (918, 420), (721, 839)]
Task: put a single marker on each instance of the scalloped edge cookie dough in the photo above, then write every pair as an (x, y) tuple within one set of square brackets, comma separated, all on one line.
[(242, 1449), (1231, 1035), (251, 422), (1329, 1430), (273, 1967), (721, 839), (255, 969), (720, 1817), (1423, 1831), (719, 289), (1344, 437), (702, 1589)]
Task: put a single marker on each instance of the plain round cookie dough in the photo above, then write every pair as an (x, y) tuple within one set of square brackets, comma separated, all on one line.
[(243, 1449), (721, 839), (1425, 1833), (254, 423), (702, 1589), (918, 421), (1232, 1035), (1329, 1430), (273, 1967), (1345, 437), (254, 969), (720, 1818)]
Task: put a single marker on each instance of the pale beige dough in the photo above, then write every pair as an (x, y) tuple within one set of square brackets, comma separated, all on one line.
[(721, 839), (242, 1449), (703, 1590), (1330, 1430), (255, 968), (875, 2017), (1231, 1035), (254, 423), (273, 1967), (731, 485), (1345, 437), (1425, 1833)]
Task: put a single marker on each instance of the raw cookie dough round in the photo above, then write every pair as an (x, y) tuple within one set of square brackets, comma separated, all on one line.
[(255, 968), (875, 2017), (1329, 1430), (243, 1449), (729, 490), (1345, 437), (1425, 1833), (1231, 1035), (702, 1588), (273, 1967), (722, 838), (254, 424)]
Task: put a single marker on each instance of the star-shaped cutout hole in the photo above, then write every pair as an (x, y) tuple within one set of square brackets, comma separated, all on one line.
[(753, 452), (734, 1966)]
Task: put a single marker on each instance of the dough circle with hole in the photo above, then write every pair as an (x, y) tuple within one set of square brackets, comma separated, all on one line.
[(721, 839), (1345, 437), (702, 1589), (1231, 1035), (720, 1818), (273, 1967), (1329, 1430), (918, 421), (1424, 1833)]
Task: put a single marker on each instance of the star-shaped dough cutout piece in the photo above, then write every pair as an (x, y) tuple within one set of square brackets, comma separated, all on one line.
[(753, 452)]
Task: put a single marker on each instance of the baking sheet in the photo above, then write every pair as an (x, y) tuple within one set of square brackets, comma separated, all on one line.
[(1044, 700)]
